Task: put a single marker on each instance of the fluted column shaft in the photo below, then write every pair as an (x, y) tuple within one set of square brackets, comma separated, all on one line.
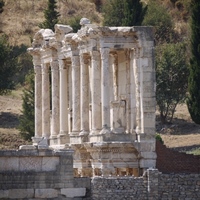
[(55, 98), (63, 98), (96, 91), (84, 86), (38, 101), (45, 101), (75, 95), (136, 70), (105, 87)]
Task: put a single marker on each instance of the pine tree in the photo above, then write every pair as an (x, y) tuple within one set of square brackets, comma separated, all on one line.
[(123, 13), (2, 3), (8, 66), (27, 125), (194, 77), (51, 15)]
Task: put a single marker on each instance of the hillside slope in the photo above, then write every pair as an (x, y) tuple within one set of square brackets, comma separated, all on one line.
[(20, 18)]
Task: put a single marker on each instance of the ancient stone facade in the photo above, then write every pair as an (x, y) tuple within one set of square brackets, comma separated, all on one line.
[(101, 97)]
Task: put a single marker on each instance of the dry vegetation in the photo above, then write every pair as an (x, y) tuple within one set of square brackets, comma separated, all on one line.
[(20, 18)]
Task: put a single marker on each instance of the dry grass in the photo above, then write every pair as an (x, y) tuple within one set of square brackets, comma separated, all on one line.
[(20, 18)]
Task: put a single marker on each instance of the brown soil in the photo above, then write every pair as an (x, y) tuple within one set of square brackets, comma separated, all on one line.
[(10, 111), (181, 134)]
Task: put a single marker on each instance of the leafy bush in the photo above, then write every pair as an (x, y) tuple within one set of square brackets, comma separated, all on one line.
[(159, 138), (172, 73)]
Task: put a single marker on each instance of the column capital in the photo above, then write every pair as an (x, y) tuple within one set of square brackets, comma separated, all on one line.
[(54, 65), (75, 61), (104, 52), (62, 64), (45, 68), (37, 69), (84, 58), (95, 55)]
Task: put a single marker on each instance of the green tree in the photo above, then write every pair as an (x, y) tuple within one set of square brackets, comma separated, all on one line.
[(193, 101), (51, 15), (171, 76), (27, 125), (158, 17), (7, 66), (123, 13)]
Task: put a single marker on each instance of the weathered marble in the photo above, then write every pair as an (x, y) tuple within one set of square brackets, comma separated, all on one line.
[(84, 88), (105, 92), (55, 98), (45, 102), (96, 92), (75, 95)]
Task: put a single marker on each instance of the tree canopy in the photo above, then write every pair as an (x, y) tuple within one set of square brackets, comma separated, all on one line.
[(8, 66), (194, 77), (123, 13), (51, 15)]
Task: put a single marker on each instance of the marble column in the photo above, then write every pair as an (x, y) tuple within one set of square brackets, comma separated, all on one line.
[(105, 90), (84, 89), (75, 95), (136, 71), (115, 75), (63, 99), (96, 92), (128, 103), (55, 99), (45, 102), (38, 101)]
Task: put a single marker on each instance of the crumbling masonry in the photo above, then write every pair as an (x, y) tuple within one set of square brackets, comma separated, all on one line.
[(101, 97)]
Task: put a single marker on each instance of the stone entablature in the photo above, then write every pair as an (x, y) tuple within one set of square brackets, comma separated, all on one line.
[(102, 94)]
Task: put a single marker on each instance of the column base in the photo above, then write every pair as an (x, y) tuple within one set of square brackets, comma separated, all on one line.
[(105, 130), (84, 133), (53, 140), (95, 131), (78, 139), (63, 137), (41, 142)]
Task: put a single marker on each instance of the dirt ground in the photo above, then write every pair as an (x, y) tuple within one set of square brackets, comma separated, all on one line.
[(182, 134)]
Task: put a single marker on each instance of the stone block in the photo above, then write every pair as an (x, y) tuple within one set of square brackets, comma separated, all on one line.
[(150, 163), (4, 194), (21, 193), (46, 193), (49, 163), (30, 163), (149, 155), (73, 192), (9, 164), (145, 146), (27, 147)]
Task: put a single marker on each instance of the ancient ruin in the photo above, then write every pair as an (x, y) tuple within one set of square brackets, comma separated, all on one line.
[(95, 93)]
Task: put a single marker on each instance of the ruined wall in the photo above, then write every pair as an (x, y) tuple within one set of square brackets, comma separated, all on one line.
[(37, 174), (170, 161), (154, 185), (46, 174)]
